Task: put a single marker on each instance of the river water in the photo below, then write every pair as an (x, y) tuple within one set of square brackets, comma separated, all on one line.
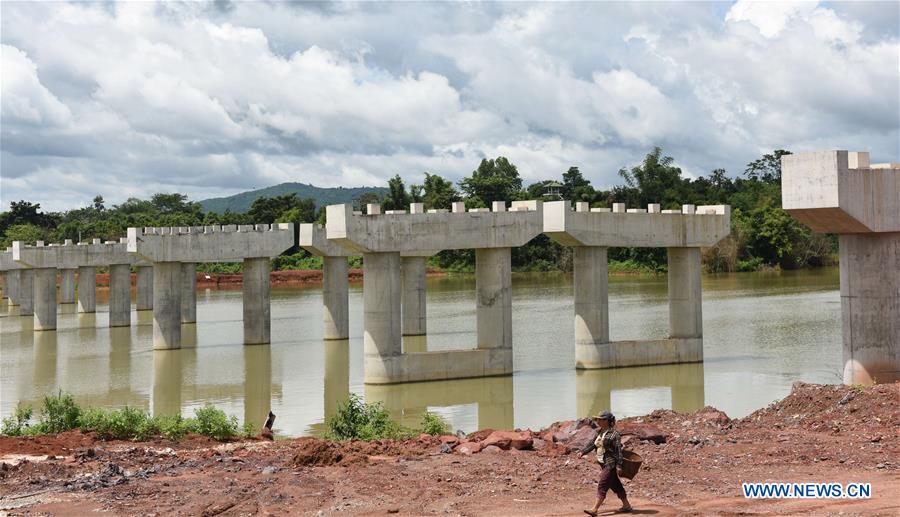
[(762, 332)]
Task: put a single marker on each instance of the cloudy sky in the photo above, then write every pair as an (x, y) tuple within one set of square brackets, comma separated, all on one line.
[(128, 99)]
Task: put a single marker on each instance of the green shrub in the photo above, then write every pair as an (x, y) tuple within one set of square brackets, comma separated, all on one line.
[(249, 430), (749, 265), (59, 413), (215, 423), (173, 427), (433, 424), (357, 420), (17, 424)]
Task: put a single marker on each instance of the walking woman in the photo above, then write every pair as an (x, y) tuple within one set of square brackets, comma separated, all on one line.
[(609, 454)]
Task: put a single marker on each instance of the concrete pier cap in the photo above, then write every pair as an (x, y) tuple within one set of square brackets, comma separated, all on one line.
[(842, 192)]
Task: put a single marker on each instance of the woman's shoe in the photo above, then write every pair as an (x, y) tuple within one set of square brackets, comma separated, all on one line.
[(624, 509), (591, 513)]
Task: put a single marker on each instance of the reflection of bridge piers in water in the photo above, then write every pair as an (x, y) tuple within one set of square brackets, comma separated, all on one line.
[(45, 362), (594, 388), (337, 375), (407, 401), (257, 384), (168, 371)]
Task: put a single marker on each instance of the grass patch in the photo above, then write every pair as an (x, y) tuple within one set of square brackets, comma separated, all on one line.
[(433, 424), (358, 420), (60, 413)]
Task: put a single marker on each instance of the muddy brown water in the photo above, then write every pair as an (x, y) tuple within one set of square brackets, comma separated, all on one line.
[(762, 332)]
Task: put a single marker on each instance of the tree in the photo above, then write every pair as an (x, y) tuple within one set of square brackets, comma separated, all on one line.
[(438, 192), (173, 203), (366, 199), (267, 209), (493, 180), (98, 203), (573, 182), (656, 180), (397, 198), (27, 233), (768, 168)]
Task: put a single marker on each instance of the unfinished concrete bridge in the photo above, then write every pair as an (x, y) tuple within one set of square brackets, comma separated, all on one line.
[(394, 246)]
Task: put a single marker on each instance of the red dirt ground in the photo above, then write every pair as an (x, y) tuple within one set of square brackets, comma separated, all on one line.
[(817, 434)]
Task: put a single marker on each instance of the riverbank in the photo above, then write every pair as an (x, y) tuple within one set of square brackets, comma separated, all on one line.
[(693, 463)]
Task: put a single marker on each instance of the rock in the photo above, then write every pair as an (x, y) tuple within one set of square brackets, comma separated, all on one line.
[(460, 434), (847, 398), (446, 448), (492, 449), (449, 439), (581, 438), (267, 434), (468, 448), (711, 415), (641, 431), (509, 440), (269, 470), (477, 436), (538, 443)]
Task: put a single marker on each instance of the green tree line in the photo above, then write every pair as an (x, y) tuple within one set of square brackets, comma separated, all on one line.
[(763, 235)]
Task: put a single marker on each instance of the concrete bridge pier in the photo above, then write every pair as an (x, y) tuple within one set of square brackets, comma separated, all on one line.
[(493, 305), (335, 296), (67, 285), (382, 340), (119, 295), (870, 306), (11, 286), (25, 292), (189, 292), (87, 289), (167, 291), (256, 299), (591, 286), (414, 319), (144, 288), (685, 301), (4, 293), (44, 299)]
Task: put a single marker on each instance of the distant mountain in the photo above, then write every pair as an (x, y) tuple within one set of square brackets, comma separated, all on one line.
[(323, 196)]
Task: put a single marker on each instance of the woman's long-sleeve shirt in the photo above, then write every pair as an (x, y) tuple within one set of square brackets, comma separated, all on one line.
[(609, 448)]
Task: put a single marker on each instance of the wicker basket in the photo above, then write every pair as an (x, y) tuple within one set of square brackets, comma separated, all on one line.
[(631, 463)]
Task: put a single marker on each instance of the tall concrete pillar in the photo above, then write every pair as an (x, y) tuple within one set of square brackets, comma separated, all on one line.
[(66, 286), (144, 288), (45, 299), (591, 295), (25, 291), (167, 305), (382, 339), (87, 289), (11, 286), (335, 296), (119, 295), (870, 306), (257, 319), (685, 303), (493, 286), (4, 294), (189, 292), (413, 321)]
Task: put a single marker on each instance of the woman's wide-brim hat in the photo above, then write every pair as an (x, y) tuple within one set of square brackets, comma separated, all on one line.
[(606, 415)]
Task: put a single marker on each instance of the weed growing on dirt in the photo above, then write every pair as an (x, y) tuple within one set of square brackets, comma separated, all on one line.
[(215, 423), (433, 424), (356, 419), (17, 424), (59, 413), (249, 430)]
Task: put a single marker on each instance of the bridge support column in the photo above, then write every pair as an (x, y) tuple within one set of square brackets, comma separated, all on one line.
[(45, 299), (144, 288), (87, 289), (591, 304), (119, 295), (189, 292), (685, 302), (66, 286), (335, 297), (381, 315), (167, 305), (493, 286), (257, 318), (870, 306), (11, 286), (25, 292), (414, 319), (4, 293)]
